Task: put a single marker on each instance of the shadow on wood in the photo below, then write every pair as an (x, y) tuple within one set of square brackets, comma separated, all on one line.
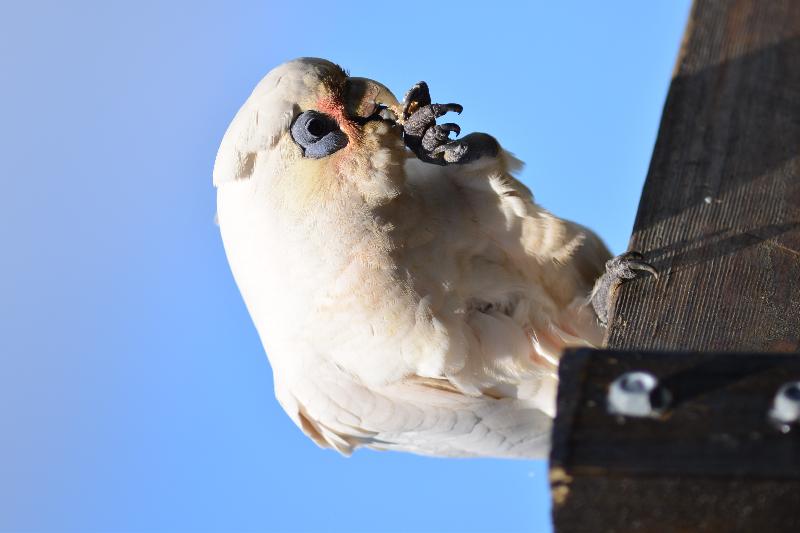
[(720, 211), (720, 218), (714, 461)]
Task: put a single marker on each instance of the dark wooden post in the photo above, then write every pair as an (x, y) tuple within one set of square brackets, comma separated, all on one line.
[(720, 218), (720, 211)]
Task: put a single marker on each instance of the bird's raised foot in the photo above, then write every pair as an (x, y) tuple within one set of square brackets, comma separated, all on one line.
[(467, 149), (439, 134), (430, 141), (618, 269), (417, 96)]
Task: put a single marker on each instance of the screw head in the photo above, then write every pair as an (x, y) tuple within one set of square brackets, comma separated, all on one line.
[(631, 394), (786, 405)]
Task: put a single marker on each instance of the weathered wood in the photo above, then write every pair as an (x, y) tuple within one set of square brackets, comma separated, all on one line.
[(617, 504), (714, 461), (716, 425), (720, 218), (720, 210)]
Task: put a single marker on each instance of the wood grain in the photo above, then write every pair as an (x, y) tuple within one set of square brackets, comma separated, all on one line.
[(714, 461), (719, 215), (720, 218)]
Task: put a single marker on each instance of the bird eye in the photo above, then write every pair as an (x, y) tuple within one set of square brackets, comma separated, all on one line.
[(317, 134), (315, 127)]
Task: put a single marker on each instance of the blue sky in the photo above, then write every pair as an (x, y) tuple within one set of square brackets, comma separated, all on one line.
[(134, 393)]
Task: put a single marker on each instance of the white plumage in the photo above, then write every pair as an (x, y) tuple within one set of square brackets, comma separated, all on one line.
[(402, 305)]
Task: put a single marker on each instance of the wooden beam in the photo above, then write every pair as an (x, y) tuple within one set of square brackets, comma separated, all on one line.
[(714, 461), (720, 210), (720, 218)]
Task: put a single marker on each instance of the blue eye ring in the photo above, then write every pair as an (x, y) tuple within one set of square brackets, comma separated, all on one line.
[(317, 134)]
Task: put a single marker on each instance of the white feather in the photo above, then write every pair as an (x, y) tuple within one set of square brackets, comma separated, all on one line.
[(403, 305)]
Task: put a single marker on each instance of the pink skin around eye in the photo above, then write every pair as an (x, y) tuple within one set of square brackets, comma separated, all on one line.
[(334, 108)]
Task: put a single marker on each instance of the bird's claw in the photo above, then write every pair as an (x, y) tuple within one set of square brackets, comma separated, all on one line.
[(430, 141), (438, 134), (618, 269), (624, 266), (417, 96)]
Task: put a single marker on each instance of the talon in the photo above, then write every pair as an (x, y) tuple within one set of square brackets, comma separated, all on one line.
[(469, 148), (618, 269), (437, 135), (417, 96), (431, 142), (441, 109), (625, 264), (449, 126), (646, 267)]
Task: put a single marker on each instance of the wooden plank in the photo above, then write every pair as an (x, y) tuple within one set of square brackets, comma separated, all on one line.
[(717, 423), (714, 461), (635, 504), (720, 218), (720, 210)]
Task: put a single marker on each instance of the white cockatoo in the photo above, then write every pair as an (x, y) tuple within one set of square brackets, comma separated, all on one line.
[(408, 291)]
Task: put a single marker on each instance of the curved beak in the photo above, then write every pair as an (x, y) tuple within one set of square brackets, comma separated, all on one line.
[(363, 97)]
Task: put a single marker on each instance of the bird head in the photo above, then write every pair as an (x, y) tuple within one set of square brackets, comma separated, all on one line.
[(310, 134)]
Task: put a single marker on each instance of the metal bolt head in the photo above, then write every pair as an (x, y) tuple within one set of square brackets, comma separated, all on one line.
[(631, 394), (786, 405)]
